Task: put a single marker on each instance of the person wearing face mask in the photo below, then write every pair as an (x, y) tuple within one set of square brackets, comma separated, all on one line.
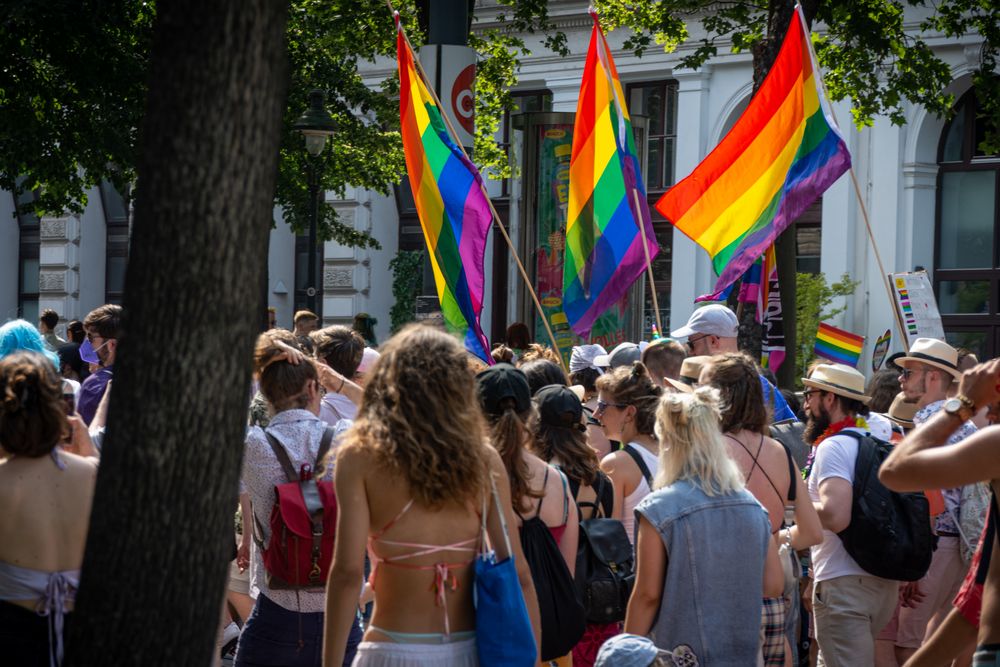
[(103, 326)]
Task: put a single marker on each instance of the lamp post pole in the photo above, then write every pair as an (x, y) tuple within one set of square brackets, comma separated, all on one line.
[(312, 281), (315, 125)]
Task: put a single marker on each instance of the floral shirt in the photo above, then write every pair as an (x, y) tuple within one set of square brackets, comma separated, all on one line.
[(299, 432), (952, 497)]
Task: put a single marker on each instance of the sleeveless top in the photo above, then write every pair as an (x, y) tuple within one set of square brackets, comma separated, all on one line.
[(716, 547), (53, 590), (652, 462)]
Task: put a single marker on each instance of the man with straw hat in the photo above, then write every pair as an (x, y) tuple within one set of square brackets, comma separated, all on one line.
[(850, 606), (929, 371)]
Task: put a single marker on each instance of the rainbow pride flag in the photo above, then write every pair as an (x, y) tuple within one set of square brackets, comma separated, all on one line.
[(782, 154), (607, 198), (453, 211), (838, 345)]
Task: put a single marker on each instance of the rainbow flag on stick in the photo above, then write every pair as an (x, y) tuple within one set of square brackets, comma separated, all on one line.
[(838, 345), (607, 198), (782, 154), (454, 213)]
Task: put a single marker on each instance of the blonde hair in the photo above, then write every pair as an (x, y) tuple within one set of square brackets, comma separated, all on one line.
[(696, 451), (417, 418)]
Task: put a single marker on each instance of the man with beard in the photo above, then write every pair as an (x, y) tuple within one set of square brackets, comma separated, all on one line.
[(850, 606), (928, 374)]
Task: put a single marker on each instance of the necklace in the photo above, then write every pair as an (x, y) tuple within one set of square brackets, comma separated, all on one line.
[(832, 430)]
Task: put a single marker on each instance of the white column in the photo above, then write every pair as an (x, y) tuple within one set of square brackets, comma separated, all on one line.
[(691, 270), (10, 259), (59, 265)]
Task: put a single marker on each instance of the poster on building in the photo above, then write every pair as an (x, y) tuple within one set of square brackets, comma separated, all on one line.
[(917, 308), (555, 146)]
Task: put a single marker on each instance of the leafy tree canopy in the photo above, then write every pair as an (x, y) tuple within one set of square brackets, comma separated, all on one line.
[(73, 83)]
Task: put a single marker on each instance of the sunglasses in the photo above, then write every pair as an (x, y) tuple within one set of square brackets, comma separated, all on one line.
[(692, 341), (807, 394), (602, 406), (907, 372)]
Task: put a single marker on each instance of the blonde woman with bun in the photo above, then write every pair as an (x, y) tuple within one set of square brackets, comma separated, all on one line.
[(704, 553)]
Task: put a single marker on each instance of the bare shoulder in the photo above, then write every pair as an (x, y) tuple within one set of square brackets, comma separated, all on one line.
[(355, 456), (613, 461)]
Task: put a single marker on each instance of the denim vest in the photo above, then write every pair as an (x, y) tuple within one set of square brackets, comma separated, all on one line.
[(713, 587)]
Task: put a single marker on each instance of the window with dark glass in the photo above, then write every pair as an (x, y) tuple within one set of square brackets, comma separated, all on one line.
[(967, 255), (656, 101), (28, 256), (117, 239)]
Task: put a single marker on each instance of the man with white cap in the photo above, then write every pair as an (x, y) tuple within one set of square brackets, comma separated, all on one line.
[(929, 371), (713, 329), (850, 606)]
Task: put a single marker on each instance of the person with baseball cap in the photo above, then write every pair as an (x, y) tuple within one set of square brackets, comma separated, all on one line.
[(850, 606), (929, 371), (713, 329)]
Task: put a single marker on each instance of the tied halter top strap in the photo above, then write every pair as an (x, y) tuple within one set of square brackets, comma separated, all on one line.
[(53, 590), (444, 577)]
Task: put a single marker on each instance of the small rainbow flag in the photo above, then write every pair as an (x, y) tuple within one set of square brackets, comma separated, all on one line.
[(781, 155), (838, 345), (607, 198), (453, 211)]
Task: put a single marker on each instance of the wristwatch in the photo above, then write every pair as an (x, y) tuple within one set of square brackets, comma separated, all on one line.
[(960, 406)]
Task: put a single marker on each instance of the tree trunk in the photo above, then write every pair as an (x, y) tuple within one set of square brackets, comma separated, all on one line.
[(764, 52), (161, 531)]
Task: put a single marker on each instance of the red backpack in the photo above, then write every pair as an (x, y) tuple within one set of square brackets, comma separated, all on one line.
[(303, 523)]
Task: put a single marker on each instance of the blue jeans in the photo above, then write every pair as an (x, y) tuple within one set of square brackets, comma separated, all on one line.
[(271, 638)]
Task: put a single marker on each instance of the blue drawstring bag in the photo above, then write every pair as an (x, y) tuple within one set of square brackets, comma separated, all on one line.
[(504, 636)]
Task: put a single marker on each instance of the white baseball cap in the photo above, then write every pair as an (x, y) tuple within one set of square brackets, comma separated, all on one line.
[(713, 319), (623, 355)]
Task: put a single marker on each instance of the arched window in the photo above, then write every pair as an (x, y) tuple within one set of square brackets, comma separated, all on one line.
[(967, 252)]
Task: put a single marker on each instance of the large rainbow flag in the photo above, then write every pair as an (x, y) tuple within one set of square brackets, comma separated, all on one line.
[(782, 154), (607, 198), (453, 211)]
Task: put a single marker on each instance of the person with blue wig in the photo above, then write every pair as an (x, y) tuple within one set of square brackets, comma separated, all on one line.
[(22, 335)]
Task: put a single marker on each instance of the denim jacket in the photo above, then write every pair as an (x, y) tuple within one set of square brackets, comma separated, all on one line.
[(713, 587)]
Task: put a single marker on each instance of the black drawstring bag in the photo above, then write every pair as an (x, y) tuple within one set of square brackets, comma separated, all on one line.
[(562, 615)]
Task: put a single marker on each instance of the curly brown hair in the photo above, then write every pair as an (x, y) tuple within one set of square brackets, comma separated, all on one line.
[(32, 413), (577, 459), (538, 351), (735, 375), (283, 384), (631, 385), (419, 418)]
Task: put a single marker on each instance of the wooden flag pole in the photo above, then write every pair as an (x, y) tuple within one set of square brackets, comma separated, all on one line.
[(854, 179), (649, 264), (482, 187)]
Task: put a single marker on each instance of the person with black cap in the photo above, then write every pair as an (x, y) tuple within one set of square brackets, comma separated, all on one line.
[(560, 438), (538, 491)]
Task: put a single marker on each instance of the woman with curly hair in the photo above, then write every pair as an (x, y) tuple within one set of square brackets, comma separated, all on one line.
[(413, 476), (626, 408), (701, 525), (45, 499)]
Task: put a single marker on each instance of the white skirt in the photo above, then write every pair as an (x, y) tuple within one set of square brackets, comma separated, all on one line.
[(389, 654)]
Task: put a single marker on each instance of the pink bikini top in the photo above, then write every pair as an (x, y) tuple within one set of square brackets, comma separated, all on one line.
[(444, 577)]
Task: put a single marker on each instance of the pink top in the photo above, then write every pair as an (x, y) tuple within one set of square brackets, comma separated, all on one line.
[(444, 578)]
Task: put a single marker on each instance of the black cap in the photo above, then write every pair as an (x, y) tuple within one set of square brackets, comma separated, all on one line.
[(502, 381), (891, 364), (559, 406)]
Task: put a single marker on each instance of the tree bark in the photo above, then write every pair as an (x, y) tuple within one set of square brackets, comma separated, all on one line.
[(161, 531)]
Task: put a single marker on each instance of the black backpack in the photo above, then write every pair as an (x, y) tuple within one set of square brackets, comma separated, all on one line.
[(890, 533), (605, 571), (562, 616)]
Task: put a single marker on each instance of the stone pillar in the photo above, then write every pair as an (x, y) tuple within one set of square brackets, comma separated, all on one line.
[(347, 271), (59, 266), (692, 269)]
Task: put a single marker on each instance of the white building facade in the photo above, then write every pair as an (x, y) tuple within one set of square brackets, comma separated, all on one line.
[(931, 199)]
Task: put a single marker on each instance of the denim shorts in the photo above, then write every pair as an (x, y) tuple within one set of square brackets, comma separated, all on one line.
[(274, 636)]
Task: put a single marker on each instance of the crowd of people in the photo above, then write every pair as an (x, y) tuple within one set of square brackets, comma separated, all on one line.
[(406, 504)]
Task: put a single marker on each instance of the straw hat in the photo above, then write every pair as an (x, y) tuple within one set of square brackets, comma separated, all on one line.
[(932, 352), (902, 412), (690, 372), (840, 380)]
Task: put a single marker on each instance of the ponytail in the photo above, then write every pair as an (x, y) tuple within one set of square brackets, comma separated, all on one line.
[(509, 435)]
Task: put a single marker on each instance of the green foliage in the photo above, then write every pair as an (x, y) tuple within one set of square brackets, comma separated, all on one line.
[(813, 298), (406, 268)]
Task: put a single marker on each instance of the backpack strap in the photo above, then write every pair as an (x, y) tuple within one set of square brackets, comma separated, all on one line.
[(545, 482), (324, 447), (862, 464), (565, 498), (643, 468), (792, 473), (282, 456)]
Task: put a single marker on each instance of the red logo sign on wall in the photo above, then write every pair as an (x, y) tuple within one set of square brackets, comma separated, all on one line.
[(462, 100)]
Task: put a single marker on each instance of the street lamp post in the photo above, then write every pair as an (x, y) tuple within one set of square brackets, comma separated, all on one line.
[(315, 125)]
